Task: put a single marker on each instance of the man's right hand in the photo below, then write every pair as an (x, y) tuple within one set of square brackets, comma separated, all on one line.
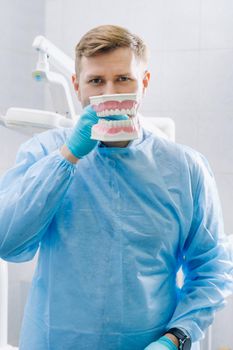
[(80, 142)]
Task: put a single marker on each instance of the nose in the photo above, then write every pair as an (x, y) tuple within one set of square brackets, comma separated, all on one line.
[(110, 88)]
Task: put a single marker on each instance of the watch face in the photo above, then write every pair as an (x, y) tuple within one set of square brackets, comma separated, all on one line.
[(186, 345)]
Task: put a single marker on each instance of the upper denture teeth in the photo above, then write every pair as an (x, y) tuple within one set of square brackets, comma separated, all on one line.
[(132, 111)]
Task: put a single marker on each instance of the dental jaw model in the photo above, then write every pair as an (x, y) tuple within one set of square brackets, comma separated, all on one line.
[(112, 107)]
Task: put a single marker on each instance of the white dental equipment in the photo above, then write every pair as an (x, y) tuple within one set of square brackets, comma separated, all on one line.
[(50, 54), (4, 307), (30, 121)]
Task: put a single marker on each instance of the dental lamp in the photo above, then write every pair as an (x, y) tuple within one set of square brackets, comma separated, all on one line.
[(48, 54), (57, 58), (30, 121)]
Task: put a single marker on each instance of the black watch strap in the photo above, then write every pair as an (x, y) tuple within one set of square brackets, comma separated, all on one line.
[(183, 338)]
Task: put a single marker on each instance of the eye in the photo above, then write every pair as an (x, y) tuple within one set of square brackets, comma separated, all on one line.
[(95, 81), (124, 78)]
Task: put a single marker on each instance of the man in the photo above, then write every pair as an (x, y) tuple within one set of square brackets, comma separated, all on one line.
[(114, 222)]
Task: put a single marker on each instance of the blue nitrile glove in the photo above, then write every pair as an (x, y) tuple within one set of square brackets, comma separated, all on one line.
[(163, 343), (80, 142)]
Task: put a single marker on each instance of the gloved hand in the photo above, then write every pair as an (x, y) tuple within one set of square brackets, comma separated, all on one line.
[(80, 142), (164, 343)]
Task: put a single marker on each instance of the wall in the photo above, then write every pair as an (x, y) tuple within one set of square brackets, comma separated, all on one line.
[(20, 22)]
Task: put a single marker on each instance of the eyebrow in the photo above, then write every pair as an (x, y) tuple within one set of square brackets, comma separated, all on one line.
[(91, 76), (122, 74), (98, 76)]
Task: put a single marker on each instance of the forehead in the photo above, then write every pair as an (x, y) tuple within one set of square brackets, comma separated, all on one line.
[(121, 60)]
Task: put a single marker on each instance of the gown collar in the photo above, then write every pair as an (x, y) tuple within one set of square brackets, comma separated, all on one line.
[(102, 149)]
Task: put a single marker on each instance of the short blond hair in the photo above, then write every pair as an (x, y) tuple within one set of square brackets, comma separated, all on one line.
[(106, 38)]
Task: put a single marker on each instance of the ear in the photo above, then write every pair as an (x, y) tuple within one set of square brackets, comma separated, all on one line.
[(76, 85), (74, 81), (146, 80)]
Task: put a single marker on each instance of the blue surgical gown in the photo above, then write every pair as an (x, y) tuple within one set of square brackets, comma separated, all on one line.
[(112, 232)]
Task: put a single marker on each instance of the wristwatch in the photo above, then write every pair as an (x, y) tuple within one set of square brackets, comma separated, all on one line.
[(183, 338)]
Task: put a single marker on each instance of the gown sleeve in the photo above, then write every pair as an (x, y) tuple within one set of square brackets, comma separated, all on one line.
[(206, 258), (30, 194)]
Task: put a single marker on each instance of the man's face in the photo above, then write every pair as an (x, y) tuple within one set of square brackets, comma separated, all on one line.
[(114, 72)]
